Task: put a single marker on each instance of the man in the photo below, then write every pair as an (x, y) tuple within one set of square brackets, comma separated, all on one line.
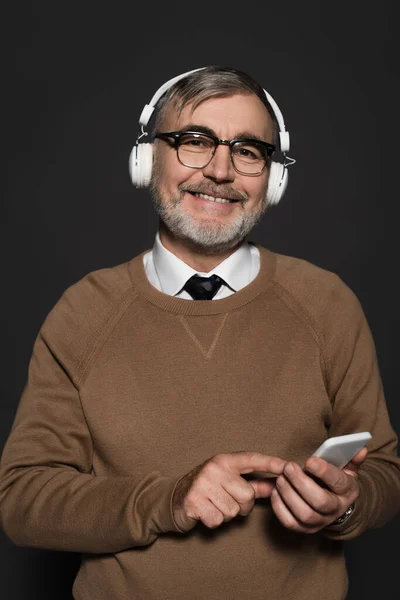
[(163, 436)]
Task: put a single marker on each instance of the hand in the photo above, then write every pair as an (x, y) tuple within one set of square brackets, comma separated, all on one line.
[(215, 492), (303, 505)]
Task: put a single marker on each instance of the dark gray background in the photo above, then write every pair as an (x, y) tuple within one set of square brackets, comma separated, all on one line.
[(75, 80)]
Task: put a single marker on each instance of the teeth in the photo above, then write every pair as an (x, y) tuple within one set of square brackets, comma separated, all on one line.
[(206, 197)]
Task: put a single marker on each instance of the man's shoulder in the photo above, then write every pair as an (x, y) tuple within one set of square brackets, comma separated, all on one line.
[(104, 284), (87, 309), (296, 273), (312, 289), (97, 290)]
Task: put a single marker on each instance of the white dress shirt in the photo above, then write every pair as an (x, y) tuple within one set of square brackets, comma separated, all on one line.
[(168, 273)]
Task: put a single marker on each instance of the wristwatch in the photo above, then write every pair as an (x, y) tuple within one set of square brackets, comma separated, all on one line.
[(345, 516)]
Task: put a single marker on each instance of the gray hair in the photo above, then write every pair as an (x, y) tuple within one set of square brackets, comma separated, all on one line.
[(211, 82)]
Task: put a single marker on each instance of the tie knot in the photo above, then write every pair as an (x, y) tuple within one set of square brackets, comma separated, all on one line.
[(203, 288)]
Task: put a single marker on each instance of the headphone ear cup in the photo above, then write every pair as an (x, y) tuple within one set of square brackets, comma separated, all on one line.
[(277, 183), (141, 164), (133, 170)]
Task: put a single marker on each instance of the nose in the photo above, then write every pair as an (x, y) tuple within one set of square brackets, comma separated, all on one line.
[(220, 167)]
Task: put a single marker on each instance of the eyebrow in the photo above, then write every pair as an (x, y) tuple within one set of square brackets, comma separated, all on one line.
[(203, 129)]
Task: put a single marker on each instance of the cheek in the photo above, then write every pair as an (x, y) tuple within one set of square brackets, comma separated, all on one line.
[(257, 190), (170, 173)]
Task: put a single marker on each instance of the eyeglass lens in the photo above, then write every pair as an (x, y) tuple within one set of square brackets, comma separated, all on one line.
[(197, 151)]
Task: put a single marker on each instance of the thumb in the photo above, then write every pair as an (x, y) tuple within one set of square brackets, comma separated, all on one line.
[(359, 458), (263, 488), (352, 467)]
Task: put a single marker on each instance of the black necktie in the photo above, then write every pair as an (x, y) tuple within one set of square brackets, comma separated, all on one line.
[(203, 288)]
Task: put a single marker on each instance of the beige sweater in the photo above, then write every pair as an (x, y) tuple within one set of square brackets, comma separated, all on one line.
[(129, 389)]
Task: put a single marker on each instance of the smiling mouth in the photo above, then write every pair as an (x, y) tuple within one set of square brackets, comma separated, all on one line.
[(213, 198)]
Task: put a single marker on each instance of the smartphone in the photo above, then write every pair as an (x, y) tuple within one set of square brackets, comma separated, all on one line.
[(339, 450)]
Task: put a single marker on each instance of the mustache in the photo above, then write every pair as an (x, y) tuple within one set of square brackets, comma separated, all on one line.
[(220, 191)]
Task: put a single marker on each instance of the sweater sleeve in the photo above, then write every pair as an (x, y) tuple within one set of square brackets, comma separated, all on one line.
[(354, 385), (49, 495)]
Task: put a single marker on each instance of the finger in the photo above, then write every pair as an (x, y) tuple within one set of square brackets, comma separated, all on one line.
[(352, 467), (210, 515), (337, 480), (249, 462), (359, 458), (303, 492), (285, 516), (263, 488), (241, 493), (226, 503), (312, 504)]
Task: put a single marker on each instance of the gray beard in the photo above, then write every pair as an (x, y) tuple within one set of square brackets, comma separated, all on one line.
[(203, 236)]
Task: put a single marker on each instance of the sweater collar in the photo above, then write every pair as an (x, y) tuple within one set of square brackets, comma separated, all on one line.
[(258, 286)]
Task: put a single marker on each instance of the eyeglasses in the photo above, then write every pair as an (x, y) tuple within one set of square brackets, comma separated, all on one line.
[(196, 150)]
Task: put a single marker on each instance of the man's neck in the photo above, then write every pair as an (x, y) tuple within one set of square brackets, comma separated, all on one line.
[(203, 263)]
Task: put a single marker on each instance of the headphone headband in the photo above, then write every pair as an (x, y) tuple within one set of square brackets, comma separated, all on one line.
[(284, 138), (149, 108)]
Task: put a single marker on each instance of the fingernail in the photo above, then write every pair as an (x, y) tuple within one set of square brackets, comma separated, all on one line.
[(312, 466), (289, 469)]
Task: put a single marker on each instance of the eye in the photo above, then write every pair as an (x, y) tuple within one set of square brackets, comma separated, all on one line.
[(196, 142), (248, 151)]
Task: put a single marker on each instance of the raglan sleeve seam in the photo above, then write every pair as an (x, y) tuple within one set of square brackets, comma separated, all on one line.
[(297, 309), (110, 321)]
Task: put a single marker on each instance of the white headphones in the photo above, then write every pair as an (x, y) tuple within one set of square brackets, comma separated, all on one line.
[(141, 156)]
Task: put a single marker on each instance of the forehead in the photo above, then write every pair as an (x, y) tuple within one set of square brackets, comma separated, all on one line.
[(226, 116)]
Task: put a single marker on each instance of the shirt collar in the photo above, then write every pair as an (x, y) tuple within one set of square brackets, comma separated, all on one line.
[(173, 272)]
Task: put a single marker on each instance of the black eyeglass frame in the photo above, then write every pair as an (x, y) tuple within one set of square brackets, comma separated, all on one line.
[(176, 137)]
